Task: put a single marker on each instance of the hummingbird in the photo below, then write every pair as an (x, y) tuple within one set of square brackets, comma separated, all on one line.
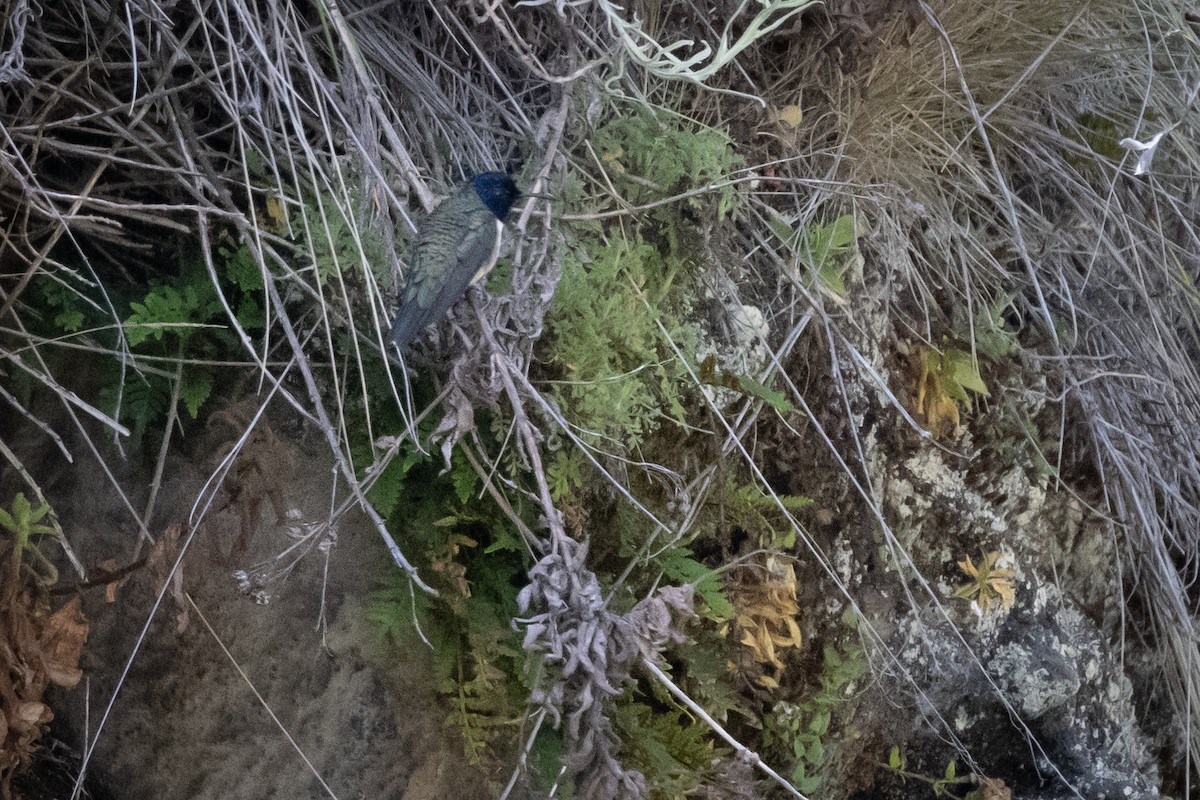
[(455, 247)]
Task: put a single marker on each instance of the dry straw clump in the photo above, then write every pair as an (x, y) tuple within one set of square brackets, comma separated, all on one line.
[(1002, 150)]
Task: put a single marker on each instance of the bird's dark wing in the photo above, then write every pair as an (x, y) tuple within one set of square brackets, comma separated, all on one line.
[(452, 251)]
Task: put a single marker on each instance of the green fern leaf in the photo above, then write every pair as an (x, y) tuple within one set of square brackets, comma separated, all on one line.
[(670, 749), (679, 566), (196, 387), (384, 494), (464, 478)]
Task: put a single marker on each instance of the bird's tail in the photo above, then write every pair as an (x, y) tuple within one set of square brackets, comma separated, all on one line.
[(408, 323)]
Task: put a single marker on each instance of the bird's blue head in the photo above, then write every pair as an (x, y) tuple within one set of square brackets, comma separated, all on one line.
[(497, 191)]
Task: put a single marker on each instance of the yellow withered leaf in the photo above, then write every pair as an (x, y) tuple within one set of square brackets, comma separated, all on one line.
[(990, 584), (789, 116), (765, 597), (276, 212), (944, 382)]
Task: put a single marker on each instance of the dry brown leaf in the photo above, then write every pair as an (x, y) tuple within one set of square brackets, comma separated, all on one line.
[(110, 565), (990, 789), (32, 713), (36, 648), (995, 789), (62, 641), (162, 557), (454, 573)]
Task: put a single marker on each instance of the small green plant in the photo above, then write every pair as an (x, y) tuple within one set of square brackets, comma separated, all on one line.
[(70, 311), (801, 730), (762, 516), (827, 251), (711, 374), (672, 749), (476, 562), (621, 310), (950, 375), (989, 330), (988, 584), (988, 789), (648, 157), (340, 241), (23, 521), (181, 319), (617, 376), (565, 472), (945, 378), (680, 569), (174, 317), (675, 563)]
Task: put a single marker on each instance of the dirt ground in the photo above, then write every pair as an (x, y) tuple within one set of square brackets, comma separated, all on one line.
[(185, 723)]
